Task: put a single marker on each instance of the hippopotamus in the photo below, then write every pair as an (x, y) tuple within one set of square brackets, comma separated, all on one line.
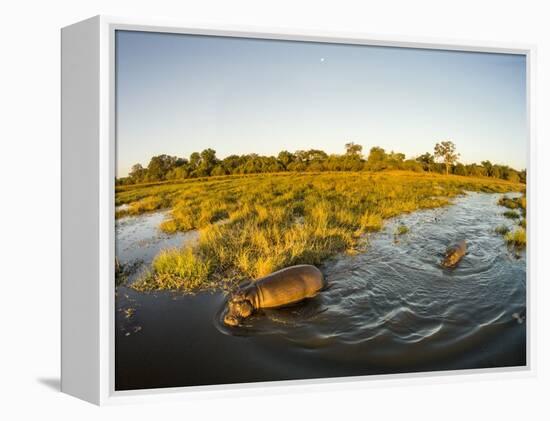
[(454, 254), (284, 287)]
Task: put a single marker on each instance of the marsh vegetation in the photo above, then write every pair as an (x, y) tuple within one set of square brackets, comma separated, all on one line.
[(518, 236), (249, 226)]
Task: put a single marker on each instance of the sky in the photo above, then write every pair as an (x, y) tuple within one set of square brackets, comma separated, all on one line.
[(177, 94)]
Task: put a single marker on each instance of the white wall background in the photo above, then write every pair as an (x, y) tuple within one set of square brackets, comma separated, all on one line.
[(29, 173)]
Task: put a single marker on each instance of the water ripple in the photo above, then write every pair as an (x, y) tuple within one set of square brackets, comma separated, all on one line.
[(398, 295)]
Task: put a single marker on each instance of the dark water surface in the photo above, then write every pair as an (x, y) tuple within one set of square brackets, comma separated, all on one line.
[(392, 309)]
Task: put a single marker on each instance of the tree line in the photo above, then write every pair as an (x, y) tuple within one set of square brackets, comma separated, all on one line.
[(444, 160)]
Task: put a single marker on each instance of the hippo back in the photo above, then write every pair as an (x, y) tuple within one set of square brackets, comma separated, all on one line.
[(288, 286), (454, 254)]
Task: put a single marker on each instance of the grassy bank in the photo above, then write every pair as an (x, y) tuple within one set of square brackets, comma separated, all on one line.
[(250, 226), (518, 236)]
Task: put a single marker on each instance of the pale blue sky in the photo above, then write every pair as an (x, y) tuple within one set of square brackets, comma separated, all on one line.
[(177, 94)]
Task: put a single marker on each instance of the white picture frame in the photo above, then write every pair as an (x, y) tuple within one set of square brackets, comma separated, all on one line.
[(88, 174)]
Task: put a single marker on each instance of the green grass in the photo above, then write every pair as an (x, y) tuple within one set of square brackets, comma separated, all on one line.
[(519, 203), (508, 202), (517, 238), (502, 230), (511, 215), (251, 226), (401, 229), (145, 204), (176, 269)]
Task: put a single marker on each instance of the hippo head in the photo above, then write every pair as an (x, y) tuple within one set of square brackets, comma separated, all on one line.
[(238, 308), (231, 320)]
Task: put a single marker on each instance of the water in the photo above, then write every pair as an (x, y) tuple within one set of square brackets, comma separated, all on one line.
[(138, 240), (391, 309)]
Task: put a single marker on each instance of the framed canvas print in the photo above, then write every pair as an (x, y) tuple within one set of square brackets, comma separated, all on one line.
[(246, 208)]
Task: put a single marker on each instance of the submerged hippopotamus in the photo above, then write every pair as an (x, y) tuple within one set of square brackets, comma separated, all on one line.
[(281, 288), (454, 254)]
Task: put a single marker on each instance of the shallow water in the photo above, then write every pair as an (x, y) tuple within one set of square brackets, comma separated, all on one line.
[(138, 240), (390, 309)]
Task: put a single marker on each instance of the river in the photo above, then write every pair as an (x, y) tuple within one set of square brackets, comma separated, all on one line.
[(391, 309)]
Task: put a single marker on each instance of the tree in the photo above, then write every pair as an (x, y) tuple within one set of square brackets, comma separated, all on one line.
[(427, 161), (218, 170), (488, 168), (271, 164), (513, 176), (412, 165), (459, 169), (138, 173), (396, 156), (194, 160), (208, 157), (353, 149), (315, 155), (207, 162), (285, 158), (377, 158), (180, 162), (232, 162), (296, 166), (446, 151), (178, 173), (300, 156), (475, 170), (159, 166), (504, 171)]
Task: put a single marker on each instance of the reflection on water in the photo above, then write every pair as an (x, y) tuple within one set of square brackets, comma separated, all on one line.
[(391, 309)]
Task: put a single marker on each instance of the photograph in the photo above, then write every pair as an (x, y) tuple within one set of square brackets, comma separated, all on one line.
[(297, 210)]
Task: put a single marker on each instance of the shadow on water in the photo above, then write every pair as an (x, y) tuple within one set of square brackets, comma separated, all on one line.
[(391, 309)]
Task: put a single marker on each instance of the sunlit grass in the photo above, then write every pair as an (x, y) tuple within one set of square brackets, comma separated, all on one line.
[(509, 202), (252, 226), (519, 203), (146, 204), (517, 238), (175, 270)]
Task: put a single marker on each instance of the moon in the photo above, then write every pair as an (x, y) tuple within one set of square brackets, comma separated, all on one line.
[(322, 59)]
